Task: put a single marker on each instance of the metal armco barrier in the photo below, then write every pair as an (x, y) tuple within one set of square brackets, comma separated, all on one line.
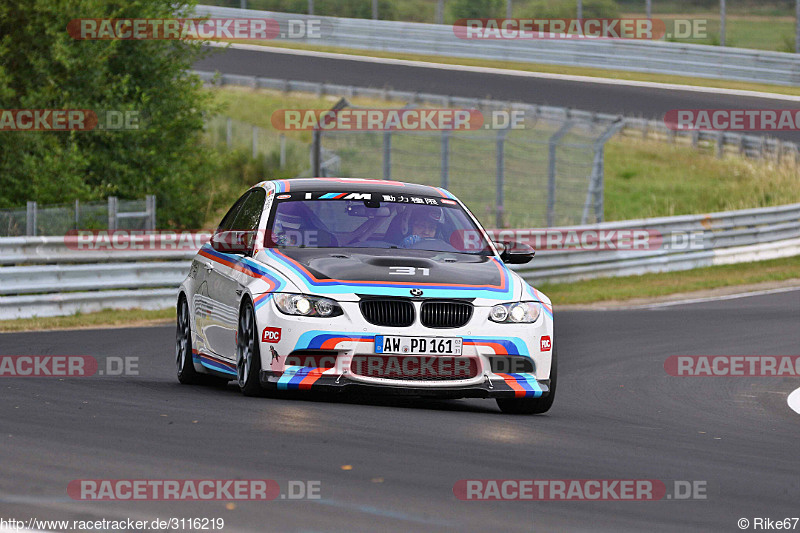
[(694, 60), (43, 276)]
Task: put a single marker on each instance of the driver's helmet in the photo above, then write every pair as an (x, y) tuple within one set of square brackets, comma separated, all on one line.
[(427, 215)]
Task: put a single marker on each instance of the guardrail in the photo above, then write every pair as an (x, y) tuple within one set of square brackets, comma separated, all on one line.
[(719, 142), (631, 55), (49, 277)]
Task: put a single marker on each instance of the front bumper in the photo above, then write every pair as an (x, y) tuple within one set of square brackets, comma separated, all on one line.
[(349, 337), (494, 386)]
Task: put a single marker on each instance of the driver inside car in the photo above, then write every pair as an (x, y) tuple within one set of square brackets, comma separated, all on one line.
[(423, 223)]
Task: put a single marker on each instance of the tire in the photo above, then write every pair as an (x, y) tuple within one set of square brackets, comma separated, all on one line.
[(248, 356), (187, 375), (533, 406)]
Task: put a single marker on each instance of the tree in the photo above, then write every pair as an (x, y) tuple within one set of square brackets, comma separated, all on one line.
[(42, 67)]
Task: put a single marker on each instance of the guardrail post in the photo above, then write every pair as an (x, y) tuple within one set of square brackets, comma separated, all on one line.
[(720, 144), (30, 220), (150, 223), (500, 179), (551, 172), (283, 152), (112, 213), (387, 155), (445, 159)]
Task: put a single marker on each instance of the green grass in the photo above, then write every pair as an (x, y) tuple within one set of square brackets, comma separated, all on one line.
[(642, 178), (756, 32), (651, 178), (654, 285), (105, 318)]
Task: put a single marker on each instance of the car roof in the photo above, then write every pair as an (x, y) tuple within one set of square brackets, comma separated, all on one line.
[(355, 185)]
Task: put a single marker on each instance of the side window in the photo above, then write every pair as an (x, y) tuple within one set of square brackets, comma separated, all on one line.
[(230, 216), (249, 215)]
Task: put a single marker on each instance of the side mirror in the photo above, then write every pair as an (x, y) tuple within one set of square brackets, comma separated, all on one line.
[(515, 253), (234, 242)]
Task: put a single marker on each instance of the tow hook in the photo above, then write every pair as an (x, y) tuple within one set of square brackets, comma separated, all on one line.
[(340, 376), (489, 380)]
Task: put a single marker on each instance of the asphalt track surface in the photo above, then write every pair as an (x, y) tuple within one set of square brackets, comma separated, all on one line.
[(617, 416), (645, 102)]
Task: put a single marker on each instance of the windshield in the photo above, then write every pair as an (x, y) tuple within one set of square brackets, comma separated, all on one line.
[(356, 220)]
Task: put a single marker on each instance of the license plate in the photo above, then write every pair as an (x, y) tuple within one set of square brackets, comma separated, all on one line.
[(418, 345)]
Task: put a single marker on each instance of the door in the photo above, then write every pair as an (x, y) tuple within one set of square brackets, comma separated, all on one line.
[(227, 281)]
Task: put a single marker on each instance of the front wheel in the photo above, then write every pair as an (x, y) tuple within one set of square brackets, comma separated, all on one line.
[(183, 346), (248, 357), (533, 406)]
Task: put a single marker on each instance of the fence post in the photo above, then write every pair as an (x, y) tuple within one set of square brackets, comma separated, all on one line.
[(374, 9), (30, 220), (596, 186), (255, 142), (551, 172), (500, 180), (310, 7), (283, 152), (77, 214), (387, 155), (316, 153), (150, 223), (112, 213), (445, 159), (243, 4), (440, 12), (720, 144), (229, 132)]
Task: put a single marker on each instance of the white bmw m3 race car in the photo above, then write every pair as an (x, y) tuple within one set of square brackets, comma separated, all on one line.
[(338, 284)]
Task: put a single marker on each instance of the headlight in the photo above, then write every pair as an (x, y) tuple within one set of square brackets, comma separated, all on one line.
[(515, 313), (305, 305)]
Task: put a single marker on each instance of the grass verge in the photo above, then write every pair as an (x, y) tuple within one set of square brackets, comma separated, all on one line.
[(104, 318), (655, 285)]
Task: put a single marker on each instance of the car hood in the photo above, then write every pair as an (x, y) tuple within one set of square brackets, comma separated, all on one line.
[(394, 272)]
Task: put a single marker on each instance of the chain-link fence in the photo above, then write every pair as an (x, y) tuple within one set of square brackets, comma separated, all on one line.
[(114, 214), (540, 173)]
